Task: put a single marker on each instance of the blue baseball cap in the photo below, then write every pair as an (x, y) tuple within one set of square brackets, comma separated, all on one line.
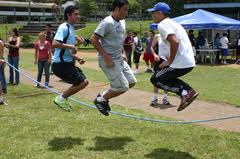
[(160, 6)]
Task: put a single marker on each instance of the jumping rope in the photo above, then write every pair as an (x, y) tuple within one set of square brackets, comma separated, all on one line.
[(123, 114)]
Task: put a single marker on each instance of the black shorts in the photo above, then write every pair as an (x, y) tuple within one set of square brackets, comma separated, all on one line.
[(156, 64), (69, 73), (136, 57)]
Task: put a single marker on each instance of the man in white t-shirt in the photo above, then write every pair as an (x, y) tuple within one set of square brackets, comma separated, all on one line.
[(181, 57), (224, 46)]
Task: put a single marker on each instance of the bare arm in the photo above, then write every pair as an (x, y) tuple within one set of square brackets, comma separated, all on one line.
[(107, 58), (57, 44), (95, 42), (17, 44), (174, 44), (36, 56), (153, 46)]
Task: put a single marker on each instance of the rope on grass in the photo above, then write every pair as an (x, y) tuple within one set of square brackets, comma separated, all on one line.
[(127, 115)]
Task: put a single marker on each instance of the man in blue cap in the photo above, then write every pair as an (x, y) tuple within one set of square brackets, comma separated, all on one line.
[(180, 56)]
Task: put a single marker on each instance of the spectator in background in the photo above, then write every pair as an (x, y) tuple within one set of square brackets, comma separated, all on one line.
[(192, 40), (128, 47), (144, 38), (163, 52), (2, 64), (43, 55), (49, 33), (201, 44), (217, 45), (49, 37), (238, 49), (148, 54), (138, 48), (13, 55), (2, 68), (224, 46)]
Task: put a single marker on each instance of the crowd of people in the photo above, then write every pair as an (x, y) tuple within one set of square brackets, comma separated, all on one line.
[(221, 43), (168, 55)]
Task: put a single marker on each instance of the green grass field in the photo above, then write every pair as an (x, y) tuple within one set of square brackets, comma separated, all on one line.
[(217, 84), (34, 128)]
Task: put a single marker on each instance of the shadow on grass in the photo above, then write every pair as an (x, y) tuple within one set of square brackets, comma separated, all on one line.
[(60, 144), (162, 106), (113, 144), (168, 154)]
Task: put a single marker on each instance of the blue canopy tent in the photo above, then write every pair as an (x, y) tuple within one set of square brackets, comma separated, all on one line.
[(201, 19)]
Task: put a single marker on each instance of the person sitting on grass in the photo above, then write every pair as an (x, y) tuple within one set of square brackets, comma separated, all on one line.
[(43, 57)]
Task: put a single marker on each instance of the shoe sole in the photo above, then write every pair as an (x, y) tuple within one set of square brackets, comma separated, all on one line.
[(101, 109), (67, 110), (107, 108), (180, 108)]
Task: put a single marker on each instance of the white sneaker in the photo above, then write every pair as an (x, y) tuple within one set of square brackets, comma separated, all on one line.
[(154, 103), (165, 101), (135, 72)]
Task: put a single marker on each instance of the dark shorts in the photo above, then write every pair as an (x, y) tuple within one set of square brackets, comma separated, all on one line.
[(225, 52), (68, 73), (136, 57), (156, 65)]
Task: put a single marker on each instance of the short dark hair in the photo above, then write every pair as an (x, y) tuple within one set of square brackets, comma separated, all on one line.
[(191, 31), (119, 4), (225, 34), (49, 25), (15, 31), (69, 10), (151, 31)]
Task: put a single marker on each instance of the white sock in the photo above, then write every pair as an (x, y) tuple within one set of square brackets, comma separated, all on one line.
[(184, 92), (103, 93), (101, 99), (61, 98), (154, 96), (165, 95)]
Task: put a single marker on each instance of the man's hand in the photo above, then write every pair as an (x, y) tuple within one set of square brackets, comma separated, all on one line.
[(156, 58), (49, 61), (109, 61), (81, 61), (164, 64)]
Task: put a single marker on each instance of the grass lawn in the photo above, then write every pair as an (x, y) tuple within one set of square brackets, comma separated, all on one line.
[(214, 83), (33, 127)]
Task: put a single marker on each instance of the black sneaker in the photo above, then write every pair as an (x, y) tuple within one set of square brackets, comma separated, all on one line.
[(105, 103), (100, 106)]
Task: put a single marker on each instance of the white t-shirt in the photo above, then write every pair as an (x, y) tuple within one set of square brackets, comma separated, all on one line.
[(224, 41), (163, 50), (112, 35), (185, 56)]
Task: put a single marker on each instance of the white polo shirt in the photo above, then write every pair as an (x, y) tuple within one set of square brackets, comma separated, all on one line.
[(185, 56), (224, 41)]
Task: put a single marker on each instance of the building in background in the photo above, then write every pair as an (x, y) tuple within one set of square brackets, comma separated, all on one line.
[(23, 12)]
